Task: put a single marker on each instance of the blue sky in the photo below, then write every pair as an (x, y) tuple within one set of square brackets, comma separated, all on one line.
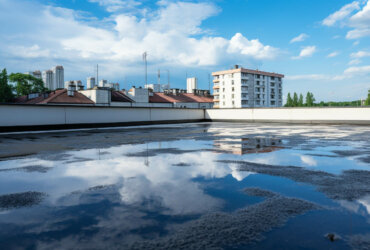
[(320, 46)]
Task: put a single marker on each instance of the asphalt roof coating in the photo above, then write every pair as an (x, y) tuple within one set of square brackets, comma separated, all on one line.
[(18, 200)]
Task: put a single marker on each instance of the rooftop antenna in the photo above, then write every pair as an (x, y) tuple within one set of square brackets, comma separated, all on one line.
[(145, 54), (97, 74), (209, 82), (159, 76), (168, 78)]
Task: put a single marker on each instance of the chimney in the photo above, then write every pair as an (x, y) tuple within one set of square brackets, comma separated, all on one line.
[(236, 66)]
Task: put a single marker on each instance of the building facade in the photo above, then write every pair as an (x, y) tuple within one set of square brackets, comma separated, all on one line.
[(47, 78), (155, 87), (191, 84), (102, 83), (36, 73), (91, 83), (58, 77), (243, 88)]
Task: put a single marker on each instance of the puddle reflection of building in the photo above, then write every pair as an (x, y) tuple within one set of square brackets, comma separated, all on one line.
[(241, 146)]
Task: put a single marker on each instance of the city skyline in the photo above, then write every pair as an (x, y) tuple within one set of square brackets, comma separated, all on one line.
[(321, 47)]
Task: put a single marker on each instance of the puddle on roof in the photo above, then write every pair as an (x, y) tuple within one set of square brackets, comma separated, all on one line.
[(219, 185)]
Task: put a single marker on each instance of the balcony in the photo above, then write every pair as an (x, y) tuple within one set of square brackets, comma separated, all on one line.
[(216, 86)]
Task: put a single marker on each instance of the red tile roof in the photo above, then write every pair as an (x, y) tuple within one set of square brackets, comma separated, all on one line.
[(185, 97), (120, 96), (56, 97)]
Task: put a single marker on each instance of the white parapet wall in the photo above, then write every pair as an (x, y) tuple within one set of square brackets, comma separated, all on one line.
[(345, 115), (28, 117)]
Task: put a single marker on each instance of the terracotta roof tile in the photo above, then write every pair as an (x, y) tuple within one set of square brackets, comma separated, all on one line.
[(184, 97), (120, 96), (58, 97)]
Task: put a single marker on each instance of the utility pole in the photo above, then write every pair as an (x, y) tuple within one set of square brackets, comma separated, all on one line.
[(146, 67)]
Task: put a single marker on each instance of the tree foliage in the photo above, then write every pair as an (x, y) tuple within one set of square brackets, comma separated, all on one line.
[(295, 100), (289, 101), (300, 101), (310, 99), (367, 101), (6, 93), (26, 84)]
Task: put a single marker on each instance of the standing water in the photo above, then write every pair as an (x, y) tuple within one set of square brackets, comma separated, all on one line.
[(188, 186)]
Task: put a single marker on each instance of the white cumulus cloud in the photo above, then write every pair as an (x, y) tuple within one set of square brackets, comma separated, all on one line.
[(333, 54), (359, 22), (341, 14), (299, 38), (360, 54), (116, 5), (306, 52), (172, 35)]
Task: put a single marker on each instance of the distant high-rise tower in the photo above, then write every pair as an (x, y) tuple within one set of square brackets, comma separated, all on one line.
[(91, 82), (35, 73), (47, 78), (191, 84), (58, 78)]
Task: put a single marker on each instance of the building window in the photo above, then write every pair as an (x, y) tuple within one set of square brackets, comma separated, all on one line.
[(244, 102), (258, 82), (223, 103), (232, 96), (232, 89), (223, 90), (232, 82), (233, 102), (272, 78), (258, 76)]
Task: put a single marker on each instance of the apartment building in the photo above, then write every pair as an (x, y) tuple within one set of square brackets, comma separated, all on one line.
[(90, 83), (243, 88), (47, 78), (58, 77), (191, 84)]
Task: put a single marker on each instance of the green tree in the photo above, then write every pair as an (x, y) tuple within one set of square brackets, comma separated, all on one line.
[(6, 93), (367, 101), (289, 101), (310, 99), (300, 101), (26, 84), (295, 100)]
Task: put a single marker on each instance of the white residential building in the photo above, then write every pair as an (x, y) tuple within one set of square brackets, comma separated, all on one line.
[(58, 77), (111, 85), (102, 83), (242, 88), (47, 78), (191, 84), (139, 94), (36, 73), (91, 83), (153, 86)]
